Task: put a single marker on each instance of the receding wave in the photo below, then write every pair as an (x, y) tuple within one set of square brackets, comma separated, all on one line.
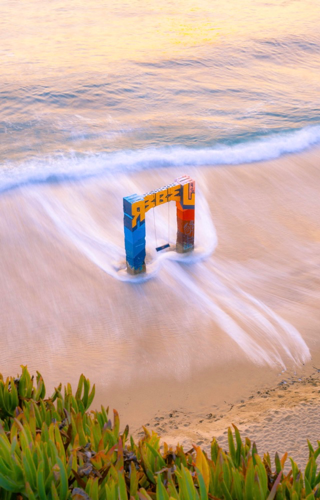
[(75, 166)]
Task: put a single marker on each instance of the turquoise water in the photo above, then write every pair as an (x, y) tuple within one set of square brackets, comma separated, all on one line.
[(88, 88)]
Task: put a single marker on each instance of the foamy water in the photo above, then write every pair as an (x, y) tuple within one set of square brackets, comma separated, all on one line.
[(64, 168)]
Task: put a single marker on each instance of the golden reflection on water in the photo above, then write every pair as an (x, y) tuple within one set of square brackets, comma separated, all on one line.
[(50, 35)]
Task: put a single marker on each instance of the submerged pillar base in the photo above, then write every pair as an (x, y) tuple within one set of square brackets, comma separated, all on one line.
[(180, 248), (136, 270)]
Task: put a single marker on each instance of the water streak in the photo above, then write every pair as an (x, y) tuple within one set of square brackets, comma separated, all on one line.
[(263, 336)]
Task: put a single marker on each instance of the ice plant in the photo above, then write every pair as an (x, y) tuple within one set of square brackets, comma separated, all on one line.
[(55, 448)]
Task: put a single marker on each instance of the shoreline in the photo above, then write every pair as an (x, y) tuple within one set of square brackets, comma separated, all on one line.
[(279, 420)]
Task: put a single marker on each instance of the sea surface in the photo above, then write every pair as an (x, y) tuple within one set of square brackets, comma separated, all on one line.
[(92, 87), (102, 99)]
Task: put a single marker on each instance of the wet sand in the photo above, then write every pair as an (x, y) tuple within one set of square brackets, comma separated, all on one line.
[(198, 337)]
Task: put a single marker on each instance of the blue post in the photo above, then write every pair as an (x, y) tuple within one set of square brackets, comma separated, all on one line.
[(135, 233)]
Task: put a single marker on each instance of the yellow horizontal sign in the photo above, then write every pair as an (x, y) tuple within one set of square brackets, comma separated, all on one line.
[(182, 191)]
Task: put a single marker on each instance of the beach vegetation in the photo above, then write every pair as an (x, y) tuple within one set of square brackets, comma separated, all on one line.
[(56, 448)]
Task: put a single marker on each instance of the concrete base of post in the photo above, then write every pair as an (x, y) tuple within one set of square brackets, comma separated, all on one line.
[(133, 271), (181, 249)]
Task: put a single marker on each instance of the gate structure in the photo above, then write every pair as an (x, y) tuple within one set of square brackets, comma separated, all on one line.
[(182, 191)]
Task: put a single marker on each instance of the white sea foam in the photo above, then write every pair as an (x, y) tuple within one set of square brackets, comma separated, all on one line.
[(63, 167)]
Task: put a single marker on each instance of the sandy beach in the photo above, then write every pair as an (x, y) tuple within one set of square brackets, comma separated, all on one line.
[(231, 337), (279, 420)]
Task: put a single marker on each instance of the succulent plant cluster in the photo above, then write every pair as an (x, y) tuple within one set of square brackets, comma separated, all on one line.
[(55, 448)]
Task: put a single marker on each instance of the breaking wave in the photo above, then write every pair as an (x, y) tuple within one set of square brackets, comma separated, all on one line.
[(64, 168)]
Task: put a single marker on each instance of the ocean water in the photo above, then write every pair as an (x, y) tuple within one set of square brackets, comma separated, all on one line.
[(99, 100), (89, 88)]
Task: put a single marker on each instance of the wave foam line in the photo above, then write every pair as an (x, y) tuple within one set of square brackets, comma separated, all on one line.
[(77, 167)]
